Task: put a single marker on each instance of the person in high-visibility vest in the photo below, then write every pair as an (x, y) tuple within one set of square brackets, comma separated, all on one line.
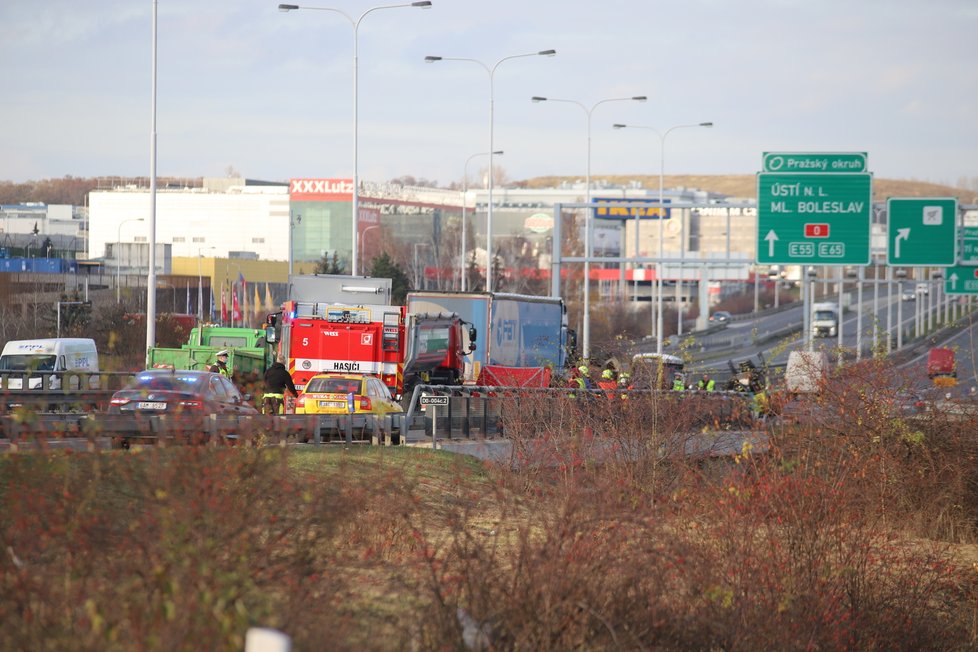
[(221, 366), (677, 383), (609, 379), (624, 384), (706, 384)]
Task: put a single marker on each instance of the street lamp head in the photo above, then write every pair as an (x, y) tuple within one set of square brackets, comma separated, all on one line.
[(618, 126), (547, 53), (288, 7), (431, 59), (706, 124), (640, 98), (537, 98), (498, 152), (423, 5)]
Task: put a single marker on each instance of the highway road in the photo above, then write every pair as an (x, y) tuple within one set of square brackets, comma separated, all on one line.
[(774, 335)]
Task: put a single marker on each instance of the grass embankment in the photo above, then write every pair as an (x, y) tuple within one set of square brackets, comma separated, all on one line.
[(601, 534)]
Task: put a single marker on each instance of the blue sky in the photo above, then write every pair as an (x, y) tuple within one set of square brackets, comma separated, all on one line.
[(268, 93)]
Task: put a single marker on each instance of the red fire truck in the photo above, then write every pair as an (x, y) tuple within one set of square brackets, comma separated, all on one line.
[(401, 348)]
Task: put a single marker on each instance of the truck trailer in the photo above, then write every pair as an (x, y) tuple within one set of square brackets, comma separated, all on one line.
[(525, 336)]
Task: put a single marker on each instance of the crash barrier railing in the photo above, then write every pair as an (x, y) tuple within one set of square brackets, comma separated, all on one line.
[(468, 413), (34, 429), (474, 412), (27, 430), (60, 391)]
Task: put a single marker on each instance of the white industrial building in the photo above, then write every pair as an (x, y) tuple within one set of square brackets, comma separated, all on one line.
[(216, 221)]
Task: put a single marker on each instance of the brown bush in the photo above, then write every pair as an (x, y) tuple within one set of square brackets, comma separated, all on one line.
[(658, 521)]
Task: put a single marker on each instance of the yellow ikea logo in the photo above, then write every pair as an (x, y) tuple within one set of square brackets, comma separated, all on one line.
[(602, 209)]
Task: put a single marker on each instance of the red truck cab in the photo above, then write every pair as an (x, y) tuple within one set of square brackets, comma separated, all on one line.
[(941, 366)]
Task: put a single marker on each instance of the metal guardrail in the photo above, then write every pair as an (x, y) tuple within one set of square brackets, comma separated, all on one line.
[(60, 392), (481, 412), (471, 413)]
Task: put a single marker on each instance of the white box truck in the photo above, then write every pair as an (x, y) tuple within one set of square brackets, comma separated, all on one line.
[(22, 358), (825, 320)]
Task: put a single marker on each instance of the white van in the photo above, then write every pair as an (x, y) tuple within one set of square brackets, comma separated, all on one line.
[(21, 357)]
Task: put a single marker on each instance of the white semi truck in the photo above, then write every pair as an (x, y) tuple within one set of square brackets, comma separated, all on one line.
[(825, 320)]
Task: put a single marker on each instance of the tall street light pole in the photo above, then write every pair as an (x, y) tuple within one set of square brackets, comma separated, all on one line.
[(355, 24), (118, 263), (363, 240), (586, 346), (200, 284), (465, 190), (491, 70), (662, 213), (151, 277)]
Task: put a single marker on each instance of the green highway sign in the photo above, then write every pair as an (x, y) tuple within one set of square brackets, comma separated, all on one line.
[(921, 231), (814, 219), (961, 280), (806, 162), (969, 245)]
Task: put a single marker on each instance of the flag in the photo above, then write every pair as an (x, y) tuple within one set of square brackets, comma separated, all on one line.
[(224, 305), (242, 281), (256, 306), (188, 298), (269, 302), (210, 291), (235, 308)]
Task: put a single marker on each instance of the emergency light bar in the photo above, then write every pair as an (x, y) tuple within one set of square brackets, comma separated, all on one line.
[(360, 288)]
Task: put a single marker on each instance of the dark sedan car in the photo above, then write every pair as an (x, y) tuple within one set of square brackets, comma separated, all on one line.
[(168, 391), (720, 317)]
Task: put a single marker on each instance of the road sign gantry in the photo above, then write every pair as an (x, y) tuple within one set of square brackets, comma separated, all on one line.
[(817, 213)]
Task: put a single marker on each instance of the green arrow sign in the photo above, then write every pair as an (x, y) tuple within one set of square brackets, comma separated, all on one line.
[(922, 231), (961, 280), (827, 162), (817, 219)]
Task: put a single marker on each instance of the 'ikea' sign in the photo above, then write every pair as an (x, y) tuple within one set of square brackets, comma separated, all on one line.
[(624, 212)]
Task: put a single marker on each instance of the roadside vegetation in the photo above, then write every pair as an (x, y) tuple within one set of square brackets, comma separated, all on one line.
[(849, 524)]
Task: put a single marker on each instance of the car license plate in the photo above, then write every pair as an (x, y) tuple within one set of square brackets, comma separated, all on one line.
[(332, 404), (151, 405)]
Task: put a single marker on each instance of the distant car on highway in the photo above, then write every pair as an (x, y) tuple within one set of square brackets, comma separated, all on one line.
[(169, 391), (720, 317), (908, 295), (341, 393)]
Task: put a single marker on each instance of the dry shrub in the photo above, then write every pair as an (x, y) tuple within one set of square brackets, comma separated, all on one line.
[(918, 470), (763, 560), (184, 549), (618, 523), (623, 540)]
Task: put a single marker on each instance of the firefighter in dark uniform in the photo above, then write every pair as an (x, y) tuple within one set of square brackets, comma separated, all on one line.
[(278, 381)]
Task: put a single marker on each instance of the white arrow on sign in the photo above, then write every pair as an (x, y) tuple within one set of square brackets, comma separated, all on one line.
[(771, 238), (902, 234), (954, 280)]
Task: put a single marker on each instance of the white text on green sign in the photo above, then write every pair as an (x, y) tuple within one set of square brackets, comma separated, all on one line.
[(824, 162), (969, 245), (921, 231), (961, 280), (814, 218)]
